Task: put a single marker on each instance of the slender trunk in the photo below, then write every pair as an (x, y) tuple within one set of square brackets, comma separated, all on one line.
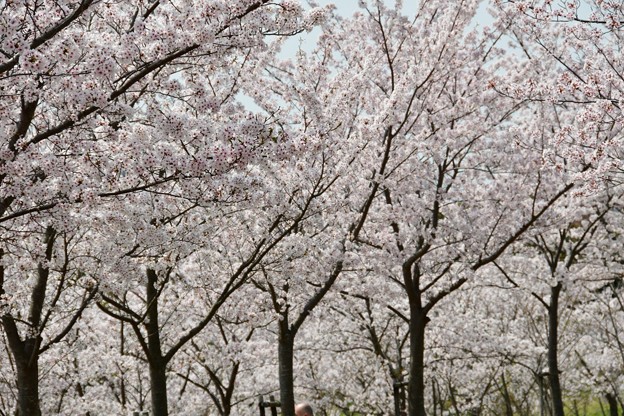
[(229, 392), (540, 381), (26, 352), (613, 404), (122, 379), (553, 365), (506, 397), (27, 363), (286, 377), (158, 384), (157, 363), (416, 385)]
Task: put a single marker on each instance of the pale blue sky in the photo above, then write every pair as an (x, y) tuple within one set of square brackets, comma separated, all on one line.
[(347, 8)]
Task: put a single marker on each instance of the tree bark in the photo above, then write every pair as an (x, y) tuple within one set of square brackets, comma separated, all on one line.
[(229, 391), (613, 404), (26, 355), (506, 396), (553, 365), (26, 352), (416, 385), (27, 363), (434, 398), (158, 384), (157, 363), (286, 359)]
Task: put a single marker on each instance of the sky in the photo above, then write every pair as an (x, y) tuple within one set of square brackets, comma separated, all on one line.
[(346, 8)]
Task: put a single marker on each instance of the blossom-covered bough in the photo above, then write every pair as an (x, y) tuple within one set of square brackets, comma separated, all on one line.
[(572, 54)]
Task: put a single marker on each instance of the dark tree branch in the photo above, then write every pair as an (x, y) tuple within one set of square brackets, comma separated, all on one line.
[(89, 295)]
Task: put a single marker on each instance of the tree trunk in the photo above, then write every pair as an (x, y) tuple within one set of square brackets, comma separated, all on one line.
[(286, 377), (157, 364), (26, 352), (613, 404), (229, 392), (158, 384), (434, 398), (27, 363), (553, 365), (416, 385), (506, 397)]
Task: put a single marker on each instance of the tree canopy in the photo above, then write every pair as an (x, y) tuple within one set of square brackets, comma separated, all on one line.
[(419, 213)]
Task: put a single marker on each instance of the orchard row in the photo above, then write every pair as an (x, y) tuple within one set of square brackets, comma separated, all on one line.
[(420, 211)]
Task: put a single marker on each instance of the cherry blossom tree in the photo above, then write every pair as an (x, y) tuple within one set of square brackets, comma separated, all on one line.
[(572, 253), (370, 337), (217, 371), (302, 269), (437, 174), (599, 351), (218, 247), (31, 319), (571, 53), (92, 76), (100, 100)]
